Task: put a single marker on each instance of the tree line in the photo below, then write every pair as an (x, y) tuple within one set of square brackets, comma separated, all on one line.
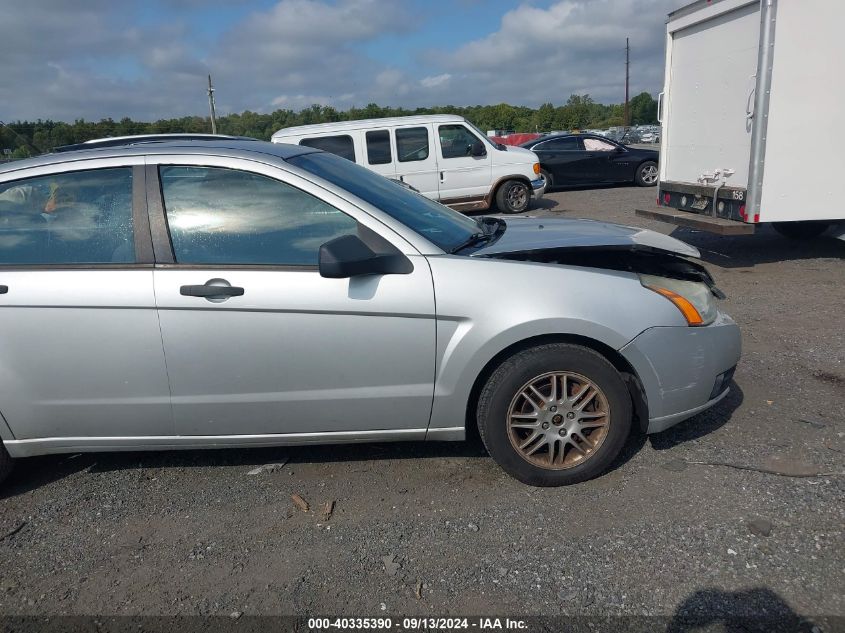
[(27, 138)]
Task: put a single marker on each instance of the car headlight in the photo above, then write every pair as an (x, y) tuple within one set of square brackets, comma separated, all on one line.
[(693, 298)]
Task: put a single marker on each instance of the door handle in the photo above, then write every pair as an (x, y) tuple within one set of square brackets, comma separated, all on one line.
[(441, 176), (4, 290), (205, 290)]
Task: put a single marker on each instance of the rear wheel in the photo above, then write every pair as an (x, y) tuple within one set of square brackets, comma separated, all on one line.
[(800, 230), (548, 178), (513, 197), (646, 175), (6, 463), (554, 414)]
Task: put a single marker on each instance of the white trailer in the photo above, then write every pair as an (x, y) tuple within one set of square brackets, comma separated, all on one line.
[(750, 88)]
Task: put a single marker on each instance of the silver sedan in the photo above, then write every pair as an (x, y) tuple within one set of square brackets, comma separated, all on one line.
[(195, 292)]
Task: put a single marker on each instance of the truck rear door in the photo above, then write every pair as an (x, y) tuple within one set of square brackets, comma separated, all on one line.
[(711, 62)]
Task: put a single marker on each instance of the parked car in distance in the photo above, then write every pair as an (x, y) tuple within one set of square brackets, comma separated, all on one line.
[(292, 294), (444, 157), (589, 159)]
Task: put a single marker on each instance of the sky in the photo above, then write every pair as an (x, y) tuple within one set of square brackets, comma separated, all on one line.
[(92, 59)]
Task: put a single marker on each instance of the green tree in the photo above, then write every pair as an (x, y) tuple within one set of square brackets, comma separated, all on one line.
[(643, 109)]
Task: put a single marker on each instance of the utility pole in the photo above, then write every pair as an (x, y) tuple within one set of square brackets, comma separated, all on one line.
[(627, 119), (211, 106)]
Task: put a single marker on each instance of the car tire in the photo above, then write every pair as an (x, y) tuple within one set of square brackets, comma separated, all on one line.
[(6, 463), (513, 196), (647, 174), (548, 178), (572, 445), (800, 230)]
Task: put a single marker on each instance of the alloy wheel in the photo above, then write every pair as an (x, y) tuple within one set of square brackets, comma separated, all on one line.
[(517, 196), (649, 174), (558, 420)]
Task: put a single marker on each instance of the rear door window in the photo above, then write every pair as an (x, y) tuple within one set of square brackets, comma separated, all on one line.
[(564, 144), (341, 145), (412, 144), (378, 147), (80, 217)]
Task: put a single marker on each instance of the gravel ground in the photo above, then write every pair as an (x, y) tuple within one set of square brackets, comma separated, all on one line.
[(438, 529)]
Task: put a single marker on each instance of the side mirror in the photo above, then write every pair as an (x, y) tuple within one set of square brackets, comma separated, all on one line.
[(349, 256), (477, 149)]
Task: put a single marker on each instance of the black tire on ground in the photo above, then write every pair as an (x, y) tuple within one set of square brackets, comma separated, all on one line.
[(646, 175), (800, 230), (6, 463), (505, 383), (513, 196), (548, 178)]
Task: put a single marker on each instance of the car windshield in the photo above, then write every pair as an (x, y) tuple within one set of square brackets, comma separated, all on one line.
[(442, 226)]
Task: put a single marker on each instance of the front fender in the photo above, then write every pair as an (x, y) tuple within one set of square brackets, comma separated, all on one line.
[(486, 306)]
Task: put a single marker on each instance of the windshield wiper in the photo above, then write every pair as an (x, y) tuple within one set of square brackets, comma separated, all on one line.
[(492, 229), (472, 240)]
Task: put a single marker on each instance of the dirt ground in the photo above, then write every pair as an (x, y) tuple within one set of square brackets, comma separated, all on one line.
[(438, 529)]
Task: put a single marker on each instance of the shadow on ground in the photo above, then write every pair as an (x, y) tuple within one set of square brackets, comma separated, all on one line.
[(765, 246), (758, 610), (701, 424), (34, 472)]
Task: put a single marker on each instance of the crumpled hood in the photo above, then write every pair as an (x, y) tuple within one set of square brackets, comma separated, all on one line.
[(527, 234)]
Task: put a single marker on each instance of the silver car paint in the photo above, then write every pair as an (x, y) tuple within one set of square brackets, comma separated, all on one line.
[(298, 353), (677, 367), (483, 306), (527, 234), (81, 354)]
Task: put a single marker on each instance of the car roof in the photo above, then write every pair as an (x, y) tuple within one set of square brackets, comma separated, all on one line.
[(550, 137), (160, 144), (340, 126)]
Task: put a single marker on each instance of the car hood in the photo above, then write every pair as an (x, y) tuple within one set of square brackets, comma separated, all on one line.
[(527, 235), (513, 154)]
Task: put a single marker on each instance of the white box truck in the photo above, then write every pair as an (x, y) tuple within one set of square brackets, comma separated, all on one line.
[(751, 86)]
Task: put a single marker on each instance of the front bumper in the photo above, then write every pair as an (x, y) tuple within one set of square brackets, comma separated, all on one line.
[(683, 370), (538, 188)]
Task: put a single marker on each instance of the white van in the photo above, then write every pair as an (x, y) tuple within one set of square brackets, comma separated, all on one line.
[(444, 157)]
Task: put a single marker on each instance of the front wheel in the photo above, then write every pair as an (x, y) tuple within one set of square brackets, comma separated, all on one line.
[(646, 175), (554, 414), (800, 230), (513, 197), (546, 176)]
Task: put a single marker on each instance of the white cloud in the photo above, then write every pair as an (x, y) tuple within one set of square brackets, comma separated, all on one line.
[(437, 80), (66, 60)]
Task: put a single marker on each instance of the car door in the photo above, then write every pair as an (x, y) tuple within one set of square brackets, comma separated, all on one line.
[(463, 177), (276, 348), (81, 347), (564, 159), (416, 162), (604, 161)]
